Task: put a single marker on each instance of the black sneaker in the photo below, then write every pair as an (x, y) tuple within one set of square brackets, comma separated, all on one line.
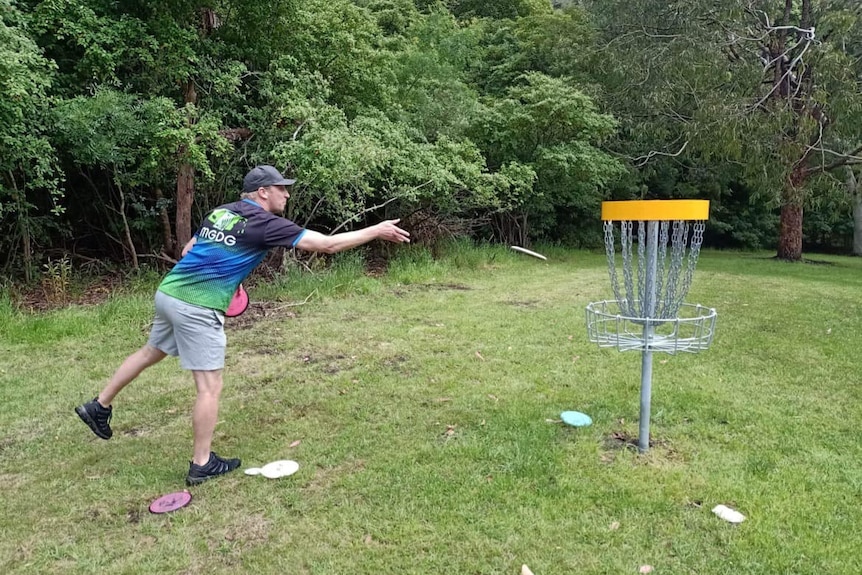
[(213, 468), (97, 417)]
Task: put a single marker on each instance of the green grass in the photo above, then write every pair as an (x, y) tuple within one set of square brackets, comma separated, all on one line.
[(426, 402)]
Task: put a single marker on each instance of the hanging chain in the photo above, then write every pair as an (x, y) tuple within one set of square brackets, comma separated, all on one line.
[(610, 251), (626, 240), (641, 304), (693, 254), (678, 240), (660, 263), (672, 286)]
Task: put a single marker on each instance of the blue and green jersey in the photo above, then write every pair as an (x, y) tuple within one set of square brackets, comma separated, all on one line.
[(232, 240)]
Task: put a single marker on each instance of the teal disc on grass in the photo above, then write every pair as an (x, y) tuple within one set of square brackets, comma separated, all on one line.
[(576, 418)]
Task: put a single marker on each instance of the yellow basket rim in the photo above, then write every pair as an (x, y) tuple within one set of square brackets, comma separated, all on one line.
[(655, 210)]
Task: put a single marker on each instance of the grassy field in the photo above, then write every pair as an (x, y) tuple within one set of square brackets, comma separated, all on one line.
[(427, 405)]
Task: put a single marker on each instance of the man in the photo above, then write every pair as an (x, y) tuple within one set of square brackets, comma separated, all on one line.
[(192, 298)]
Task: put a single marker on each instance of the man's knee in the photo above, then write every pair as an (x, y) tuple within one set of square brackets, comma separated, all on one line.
[(208, 382), (152, 355)]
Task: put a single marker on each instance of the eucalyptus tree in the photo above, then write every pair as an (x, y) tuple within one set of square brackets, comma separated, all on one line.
[(760, 85), (854, 187), (848, 23)]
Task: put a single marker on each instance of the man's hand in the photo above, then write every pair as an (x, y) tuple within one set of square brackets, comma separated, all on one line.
[(387, 230)]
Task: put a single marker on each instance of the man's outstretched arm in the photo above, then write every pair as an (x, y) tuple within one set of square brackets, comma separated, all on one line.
[(312, 241)]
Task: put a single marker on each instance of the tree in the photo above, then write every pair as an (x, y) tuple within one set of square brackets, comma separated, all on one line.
[(755, 83), (29, 178), (548, 128), (121, 143), (854, 187), (498, 9)]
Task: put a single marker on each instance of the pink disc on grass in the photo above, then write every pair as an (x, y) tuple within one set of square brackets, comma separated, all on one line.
[(170, 502)]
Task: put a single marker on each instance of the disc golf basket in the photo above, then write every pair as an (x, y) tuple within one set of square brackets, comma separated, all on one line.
[(648, 313)]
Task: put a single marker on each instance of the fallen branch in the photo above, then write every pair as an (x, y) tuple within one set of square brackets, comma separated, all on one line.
[(162, 256), (287, 305)]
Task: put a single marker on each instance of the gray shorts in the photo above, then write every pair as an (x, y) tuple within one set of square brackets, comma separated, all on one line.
[(194, 333)]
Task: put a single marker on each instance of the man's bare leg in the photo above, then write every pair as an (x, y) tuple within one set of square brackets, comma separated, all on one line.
[(205, 414), (128, 371)]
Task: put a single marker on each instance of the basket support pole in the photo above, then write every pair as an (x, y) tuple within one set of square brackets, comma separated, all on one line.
[(649, 306)]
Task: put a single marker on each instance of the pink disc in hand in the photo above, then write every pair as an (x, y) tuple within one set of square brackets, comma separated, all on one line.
[(238, 303)]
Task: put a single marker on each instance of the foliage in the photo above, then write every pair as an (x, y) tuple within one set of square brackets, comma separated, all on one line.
[(123, 144), (745, 90), (554, 129), (56, 281), (508, 9), (30, 196), (433, 95), (510, 113)]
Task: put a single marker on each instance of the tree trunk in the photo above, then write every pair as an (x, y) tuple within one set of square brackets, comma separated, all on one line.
[(790, 221), (23, 227), (185, 185), (790, 232), (511, 228), (856, 195), (126, 231), (168, 243), (185, 198)]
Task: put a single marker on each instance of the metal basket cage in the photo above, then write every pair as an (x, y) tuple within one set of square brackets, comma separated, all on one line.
[(691, 331)]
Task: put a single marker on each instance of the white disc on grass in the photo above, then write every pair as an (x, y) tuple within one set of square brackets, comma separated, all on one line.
[(528, 252), (281, 468)]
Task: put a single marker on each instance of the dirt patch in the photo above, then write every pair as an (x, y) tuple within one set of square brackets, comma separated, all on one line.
[(804, 260), (457, 287), (133, 516), (627, 440), (46, 297), (660, 450), (6, 443), (530, 304), (431, 287), (325, 477), (259, 310), (11, 481)]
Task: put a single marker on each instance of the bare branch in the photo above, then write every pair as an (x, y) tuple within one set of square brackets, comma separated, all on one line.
[(296, 133), (311, 215), (780, 81), (852, 159), (643, 160), (371, 209), (287, 305), (643, 29)]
